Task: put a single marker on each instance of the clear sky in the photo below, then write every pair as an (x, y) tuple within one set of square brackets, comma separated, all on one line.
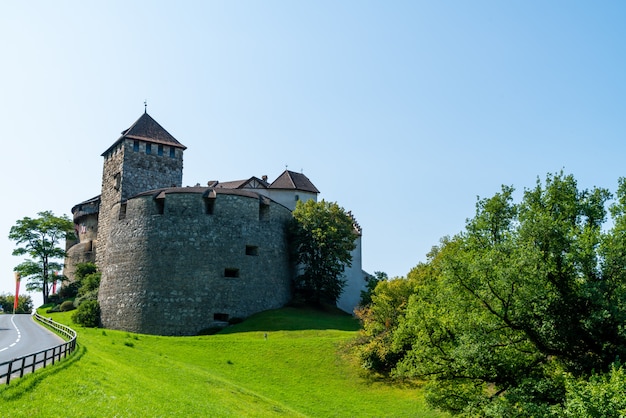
[(401, 111)]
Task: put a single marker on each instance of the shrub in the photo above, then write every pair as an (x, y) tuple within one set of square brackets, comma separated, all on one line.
[(87, 314), (54, 299), (91, 295), (68, 290), (68, 305), (55, 308)]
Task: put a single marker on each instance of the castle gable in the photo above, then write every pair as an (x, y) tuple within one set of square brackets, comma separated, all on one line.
[(148, 130), (290, 180), (251, 183)]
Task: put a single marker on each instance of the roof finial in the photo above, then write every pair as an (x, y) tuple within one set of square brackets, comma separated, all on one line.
[(145, 106)]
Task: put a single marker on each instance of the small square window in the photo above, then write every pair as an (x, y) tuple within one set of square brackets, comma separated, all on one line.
[(172, 152), (135, 146), (252, 250), (148, 148), (231, 272), (222, 317), (160, 150)]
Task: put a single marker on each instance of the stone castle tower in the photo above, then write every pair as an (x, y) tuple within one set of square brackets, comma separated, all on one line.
[(145, 157)]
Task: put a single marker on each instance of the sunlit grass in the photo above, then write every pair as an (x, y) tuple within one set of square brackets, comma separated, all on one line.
[(288, 362)]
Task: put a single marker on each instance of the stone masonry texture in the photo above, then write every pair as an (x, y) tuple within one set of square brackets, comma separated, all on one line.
[(168, 265)]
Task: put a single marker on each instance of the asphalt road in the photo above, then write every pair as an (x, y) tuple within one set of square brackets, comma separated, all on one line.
[(21, 335)]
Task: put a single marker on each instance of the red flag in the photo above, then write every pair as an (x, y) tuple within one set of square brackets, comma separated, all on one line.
[(17, 291)]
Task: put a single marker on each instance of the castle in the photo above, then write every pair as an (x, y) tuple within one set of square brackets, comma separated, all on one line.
[(176, 260)]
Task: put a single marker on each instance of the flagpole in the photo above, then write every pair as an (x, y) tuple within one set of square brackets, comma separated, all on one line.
[(17, 291)]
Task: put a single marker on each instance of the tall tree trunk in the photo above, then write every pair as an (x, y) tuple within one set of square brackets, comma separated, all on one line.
[(45, 280)]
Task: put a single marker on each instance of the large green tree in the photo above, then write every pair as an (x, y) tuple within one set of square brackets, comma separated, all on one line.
[(322, 239), (528, 296), (39, 238)]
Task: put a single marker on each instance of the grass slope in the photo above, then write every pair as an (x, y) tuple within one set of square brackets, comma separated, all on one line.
[(298, 370)]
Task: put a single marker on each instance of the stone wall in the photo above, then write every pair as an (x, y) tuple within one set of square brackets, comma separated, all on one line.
[(144, 171), (129, 170), (84, 248), (194, 256), (110, 194)]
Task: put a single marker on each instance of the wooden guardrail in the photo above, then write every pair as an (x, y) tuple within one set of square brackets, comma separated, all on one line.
[(18, 367)]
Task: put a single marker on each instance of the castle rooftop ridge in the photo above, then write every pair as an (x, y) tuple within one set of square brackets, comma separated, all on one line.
[(147, 129), (199, 190), (290, 180)]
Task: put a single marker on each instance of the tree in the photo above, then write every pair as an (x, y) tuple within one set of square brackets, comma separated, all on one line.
[(322, 238), (39, 238), (528, 294), (370, 284), (24, 303)]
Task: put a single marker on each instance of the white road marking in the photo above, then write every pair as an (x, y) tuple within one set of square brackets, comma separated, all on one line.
[(19, 335)]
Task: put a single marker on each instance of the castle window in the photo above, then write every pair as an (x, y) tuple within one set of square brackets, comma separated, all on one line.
[(148, 148), (160, 205), (222, 317), (117, 179), (231, 272), (252, 250), (264, 212), (136, 146), (122, 211), (172, 152), (160, 150), (209, 206), (297, 198)]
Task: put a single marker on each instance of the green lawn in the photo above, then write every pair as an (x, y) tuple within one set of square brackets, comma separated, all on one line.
[(300, 369)]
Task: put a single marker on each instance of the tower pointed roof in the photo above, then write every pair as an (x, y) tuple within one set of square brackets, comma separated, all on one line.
[(291, 180), (147, 129)]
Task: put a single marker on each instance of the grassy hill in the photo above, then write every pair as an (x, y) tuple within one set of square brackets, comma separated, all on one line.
[(283, 363)]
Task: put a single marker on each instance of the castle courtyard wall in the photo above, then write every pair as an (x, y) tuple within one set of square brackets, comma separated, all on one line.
[(182, 260)]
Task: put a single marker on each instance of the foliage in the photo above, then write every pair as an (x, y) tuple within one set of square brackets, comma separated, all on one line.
[(68, 305), (39, 239), (528, 294), (87, 278), (603, 395), (370, 285), (379, 319), (68, 290), (24, 303), (87, 314), (240, 374), (322, 237)]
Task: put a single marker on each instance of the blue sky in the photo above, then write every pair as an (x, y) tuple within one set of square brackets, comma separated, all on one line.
[(402, 112)]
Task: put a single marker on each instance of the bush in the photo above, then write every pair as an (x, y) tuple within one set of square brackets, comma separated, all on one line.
[(87, 314), (91, 295), (53, 299), (68, 291), (68, 305), (55, 308)]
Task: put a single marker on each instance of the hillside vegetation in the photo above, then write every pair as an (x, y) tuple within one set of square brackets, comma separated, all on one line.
[(288, 362)]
